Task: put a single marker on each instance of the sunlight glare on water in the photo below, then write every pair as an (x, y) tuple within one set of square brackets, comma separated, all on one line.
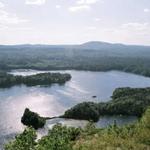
[(53, 100)]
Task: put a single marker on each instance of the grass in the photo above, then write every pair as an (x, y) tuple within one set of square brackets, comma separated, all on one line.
[(131, 137)]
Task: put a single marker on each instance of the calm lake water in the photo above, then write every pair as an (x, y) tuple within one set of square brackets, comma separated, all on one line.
[(55, 99)]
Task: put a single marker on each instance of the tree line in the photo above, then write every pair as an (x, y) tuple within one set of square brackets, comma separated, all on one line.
[(125, 101), (8, 80)]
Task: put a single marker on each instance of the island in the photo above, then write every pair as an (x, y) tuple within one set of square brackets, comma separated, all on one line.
[(133, 136), (83, 111), (125, 101), (8, 80), (33, 119)]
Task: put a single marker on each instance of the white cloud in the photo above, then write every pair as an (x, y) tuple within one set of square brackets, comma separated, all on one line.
[(135, 26), (91, 28), (131, 29), (35, 2), (146, 10), (97, 19), (82, 5), (3, 27), (2, 5), (7, 18), (58, 6), (79, 8), (84, 2), (133, 32)]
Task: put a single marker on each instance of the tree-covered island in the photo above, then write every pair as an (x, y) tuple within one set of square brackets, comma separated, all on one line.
[(125, 101), (8, 80), (33, 119), (130, 137)]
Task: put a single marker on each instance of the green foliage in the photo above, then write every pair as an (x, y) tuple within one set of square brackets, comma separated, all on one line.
[(125, 101), (86, 111), (131, 137), (89, 129), (134, 137), (7, 80), (24, 141), (129, 101), (30, 118), (59, 138), (135, 59)]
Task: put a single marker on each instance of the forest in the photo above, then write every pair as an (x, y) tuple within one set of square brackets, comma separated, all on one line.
[(125, 101), (8, 80), (93, 56)]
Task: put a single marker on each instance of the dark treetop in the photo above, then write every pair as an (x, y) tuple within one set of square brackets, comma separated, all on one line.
[(33, 119), (8, 80), (125, 101)]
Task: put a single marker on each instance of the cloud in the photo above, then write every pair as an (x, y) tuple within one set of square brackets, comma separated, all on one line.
[(2, 5), (58, 6), (83, 5), (91, 28), (35, 2), (135, 26), (97, 19), (131, 29), (79, 8), (7, 18), (84, 2), (132, 32), (146, 10), (3, 27)]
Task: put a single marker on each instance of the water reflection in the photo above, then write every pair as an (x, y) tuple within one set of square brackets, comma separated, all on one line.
[(54, 100)]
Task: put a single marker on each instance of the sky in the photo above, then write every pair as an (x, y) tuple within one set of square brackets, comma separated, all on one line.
[(74, 21)]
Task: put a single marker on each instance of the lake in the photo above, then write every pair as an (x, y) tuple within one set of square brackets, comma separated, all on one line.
[(55, 99)]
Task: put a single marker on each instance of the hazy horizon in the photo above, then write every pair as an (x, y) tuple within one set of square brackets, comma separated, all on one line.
[(61, 22), (71, 44)]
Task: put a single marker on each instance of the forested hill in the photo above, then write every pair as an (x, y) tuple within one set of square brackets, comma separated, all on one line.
[(95, 56), (102, 47)]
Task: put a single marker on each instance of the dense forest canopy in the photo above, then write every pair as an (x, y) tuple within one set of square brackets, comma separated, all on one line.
[(8, 80), (95, 56), (33, 119), (125, 101)]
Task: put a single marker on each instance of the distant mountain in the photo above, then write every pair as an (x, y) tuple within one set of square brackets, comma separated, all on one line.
[(103, 48), (95, 45), (99, 45), (105, 45), (88, 45), (93, 56)]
